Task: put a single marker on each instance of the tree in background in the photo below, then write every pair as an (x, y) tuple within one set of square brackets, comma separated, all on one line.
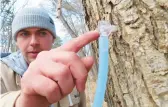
[(57, 42), (6, 17), (138, 69)]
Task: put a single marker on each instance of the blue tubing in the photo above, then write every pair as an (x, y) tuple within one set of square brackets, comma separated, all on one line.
[(103, 71)]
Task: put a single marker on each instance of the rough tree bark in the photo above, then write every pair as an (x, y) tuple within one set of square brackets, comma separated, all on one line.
[(138, 66)]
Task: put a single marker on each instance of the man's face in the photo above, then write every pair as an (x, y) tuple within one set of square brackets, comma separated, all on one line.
[(31, 41)]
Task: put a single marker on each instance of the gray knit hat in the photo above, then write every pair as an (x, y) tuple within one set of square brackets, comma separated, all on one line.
[(32, 17)]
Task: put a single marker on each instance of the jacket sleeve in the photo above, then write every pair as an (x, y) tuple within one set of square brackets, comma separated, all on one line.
[(7, 97)]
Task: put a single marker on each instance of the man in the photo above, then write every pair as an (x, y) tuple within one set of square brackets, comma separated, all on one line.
[(38, 76)]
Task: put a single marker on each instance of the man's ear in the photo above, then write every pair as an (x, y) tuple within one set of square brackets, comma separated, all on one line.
[(53, 39), (16, 43)]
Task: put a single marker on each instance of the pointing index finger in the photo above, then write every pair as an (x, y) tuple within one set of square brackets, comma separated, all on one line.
[(77, 43)]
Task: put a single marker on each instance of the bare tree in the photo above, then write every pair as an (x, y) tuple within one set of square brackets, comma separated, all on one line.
[(5, 29)]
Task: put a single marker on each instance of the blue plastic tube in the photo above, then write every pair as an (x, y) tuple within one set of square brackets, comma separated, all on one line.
[(103, 71)]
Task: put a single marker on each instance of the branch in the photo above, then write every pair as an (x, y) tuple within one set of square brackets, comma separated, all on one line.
[(59, 8), (66, 25), (22, 6), (3, 6)]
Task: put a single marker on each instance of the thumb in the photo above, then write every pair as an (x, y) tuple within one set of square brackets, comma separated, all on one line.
[(88, 62)]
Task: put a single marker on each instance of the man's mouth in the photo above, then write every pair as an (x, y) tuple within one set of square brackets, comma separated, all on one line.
[(33, 54)]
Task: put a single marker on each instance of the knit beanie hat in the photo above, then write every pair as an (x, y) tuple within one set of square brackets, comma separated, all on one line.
[(32, 17)]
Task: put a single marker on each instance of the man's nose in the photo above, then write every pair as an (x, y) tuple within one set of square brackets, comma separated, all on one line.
[(34, 40)]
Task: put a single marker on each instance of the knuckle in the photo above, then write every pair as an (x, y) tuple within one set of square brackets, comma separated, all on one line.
[(52, 94), (73, 56), (33, 66), (26, 87), (65, 68), (42, 54), (52, 89), (65, 72)]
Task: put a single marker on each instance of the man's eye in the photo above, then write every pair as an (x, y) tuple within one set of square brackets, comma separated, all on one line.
[(43, 33), (24, 34)]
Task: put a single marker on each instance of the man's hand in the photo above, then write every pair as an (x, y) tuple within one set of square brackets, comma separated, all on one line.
[(55, 73)]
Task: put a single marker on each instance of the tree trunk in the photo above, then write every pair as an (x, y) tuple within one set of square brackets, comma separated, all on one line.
[(138, 60)]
